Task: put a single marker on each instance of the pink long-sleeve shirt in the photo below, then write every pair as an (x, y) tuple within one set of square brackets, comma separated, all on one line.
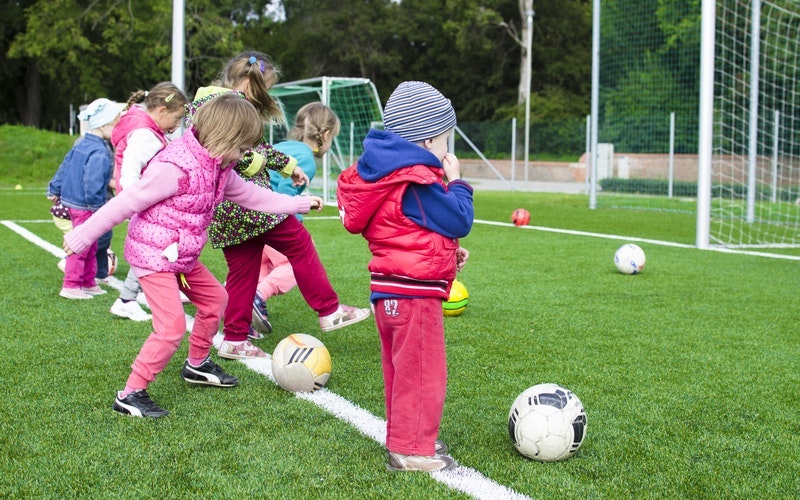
[(160, 183)]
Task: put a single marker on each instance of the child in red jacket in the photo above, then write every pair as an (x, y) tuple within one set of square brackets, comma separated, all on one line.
[(406, 197)]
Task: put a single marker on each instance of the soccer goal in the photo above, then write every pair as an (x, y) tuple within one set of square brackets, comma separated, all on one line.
[(752, 151), (354, 100), (698, 111)]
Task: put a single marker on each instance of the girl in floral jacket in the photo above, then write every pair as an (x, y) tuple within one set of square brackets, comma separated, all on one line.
[(243, 233)]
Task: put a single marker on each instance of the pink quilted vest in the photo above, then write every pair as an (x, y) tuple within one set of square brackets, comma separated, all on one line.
[(182, 218)]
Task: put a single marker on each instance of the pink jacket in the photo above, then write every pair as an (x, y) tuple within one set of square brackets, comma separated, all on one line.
[(133, 119)]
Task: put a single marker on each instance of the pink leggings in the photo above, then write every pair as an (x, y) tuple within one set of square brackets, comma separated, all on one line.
[(162, 291), (414, 372), (276, 276), (81, 268)]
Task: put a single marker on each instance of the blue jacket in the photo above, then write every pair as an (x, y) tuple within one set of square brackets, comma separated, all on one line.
[(82, 179), (305, 160), (447, 211)]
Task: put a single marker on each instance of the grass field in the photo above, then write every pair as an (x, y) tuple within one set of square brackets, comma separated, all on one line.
[(688, 372)]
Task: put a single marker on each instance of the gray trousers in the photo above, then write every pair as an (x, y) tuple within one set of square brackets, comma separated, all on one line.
[(130, 287)]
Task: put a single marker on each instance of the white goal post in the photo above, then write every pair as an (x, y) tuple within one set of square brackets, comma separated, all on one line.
[(749, 142), (354, 100)]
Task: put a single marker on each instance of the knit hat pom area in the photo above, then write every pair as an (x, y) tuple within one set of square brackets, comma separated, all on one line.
[(416, 111)]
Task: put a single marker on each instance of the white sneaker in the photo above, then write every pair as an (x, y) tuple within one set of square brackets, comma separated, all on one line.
[(94, 290), (75, 293), (344, 316), (400, 462), (242, 350), (142, 300), (131, 310)]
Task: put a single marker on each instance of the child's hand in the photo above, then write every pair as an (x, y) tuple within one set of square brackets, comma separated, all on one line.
[(67, 249), (462, 254), (316, 203), (452, 167), (299, 178), (53, 197)]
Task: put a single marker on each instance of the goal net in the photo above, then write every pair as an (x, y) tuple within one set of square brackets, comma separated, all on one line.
[(648, 105), (354, 100), (648, 146), (755, 162)]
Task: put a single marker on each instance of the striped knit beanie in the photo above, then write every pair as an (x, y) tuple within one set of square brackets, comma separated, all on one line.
[(416, 111)]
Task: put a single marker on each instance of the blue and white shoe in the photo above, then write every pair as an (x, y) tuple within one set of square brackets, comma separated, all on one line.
[(260, 318)]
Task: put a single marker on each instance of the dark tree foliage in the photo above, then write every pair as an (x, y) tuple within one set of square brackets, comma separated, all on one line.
[(72, 51)]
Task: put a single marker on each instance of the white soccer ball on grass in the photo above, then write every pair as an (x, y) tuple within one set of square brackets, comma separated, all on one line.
[(547, 423), (629, 259)]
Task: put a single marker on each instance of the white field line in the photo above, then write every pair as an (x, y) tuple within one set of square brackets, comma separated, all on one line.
[(46, 245), (574, 233), (462, 478), (641, 240)]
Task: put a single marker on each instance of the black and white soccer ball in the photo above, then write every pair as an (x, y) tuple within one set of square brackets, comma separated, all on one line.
[(547, 423)]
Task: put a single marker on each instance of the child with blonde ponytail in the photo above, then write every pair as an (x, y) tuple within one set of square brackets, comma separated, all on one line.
[(315, 127), (140, 134)]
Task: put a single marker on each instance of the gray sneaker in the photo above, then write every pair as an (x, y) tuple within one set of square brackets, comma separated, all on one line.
[(400, 462)]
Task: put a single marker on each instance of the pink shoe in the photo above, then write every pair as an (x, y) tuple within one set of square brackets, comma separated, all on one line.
[(246, 349)]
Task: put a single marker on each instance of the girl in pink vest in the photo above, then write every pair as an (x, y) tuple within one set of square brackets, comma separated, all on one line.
[(141, 133), (170, 208)]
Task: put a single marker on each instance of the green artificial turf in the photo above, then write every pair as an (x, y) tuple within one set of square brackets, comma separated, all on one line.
[(688, 372)]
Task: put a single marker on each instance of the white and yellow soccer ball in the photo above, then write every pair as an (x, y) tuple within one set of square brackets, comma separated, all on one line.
[(301, 363), (547, 423), (629, 259)]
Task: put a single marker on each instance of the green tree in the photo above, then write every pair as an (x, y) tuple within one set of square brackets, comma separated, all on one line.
[(81, 49), (73, 51), (649, 69)]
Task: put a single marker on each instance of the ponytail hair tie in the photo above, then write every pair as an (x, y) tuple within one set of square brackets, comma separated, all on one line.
[(146, 93), (261, 65)]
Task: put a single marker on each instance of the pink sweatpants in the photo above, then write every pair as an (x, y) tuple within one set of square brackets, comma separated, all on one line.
[(276, 276), (414, 372), (291, 239), (81, 268), (162, 291)]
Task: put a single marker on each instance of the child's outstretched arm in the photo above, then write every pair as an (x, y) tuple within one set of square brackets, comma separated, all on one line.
[(253, 197), (157, 184)]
